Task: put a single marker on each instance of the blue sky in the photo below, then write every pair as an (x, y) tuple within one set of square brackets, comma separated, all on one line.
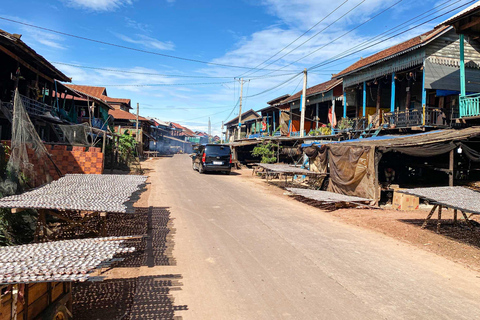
[(241, 33)]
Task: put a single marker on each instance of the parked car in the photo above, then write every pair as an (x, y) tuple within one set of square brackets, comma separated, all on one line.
[(212, 157)]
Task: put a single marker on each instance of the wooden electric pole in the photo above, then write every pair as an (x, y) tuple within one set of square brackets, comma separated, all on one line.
[(137, 136), (240, 110), (302, 103), (221, 134)]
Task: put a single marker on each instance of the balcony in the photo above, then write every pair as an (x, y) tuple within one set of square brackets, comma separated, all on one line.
[(32, 106), (415, 118), (470, 106)]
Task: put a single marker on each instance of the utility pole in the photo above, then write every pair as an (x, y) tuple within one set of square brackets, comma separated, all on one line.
[(209, 129), (137, 137), (302, 103), (240, 110), (221, 134)]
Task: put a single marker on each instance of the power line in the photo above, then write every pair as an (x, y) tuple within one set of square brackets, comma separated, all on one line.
[(157, 74), (183, 108), (124, 47), (391, 30), (316, 34), (277, 86), (395, 35), (164, 84), (344, 34), (316, 24), (235, 106)]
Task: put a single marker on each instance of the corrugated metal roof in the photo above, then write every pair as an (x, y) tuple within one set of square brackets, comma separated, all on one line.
[(410, 139), (317, 89), (462, 14), (19, 44), (393, 51)]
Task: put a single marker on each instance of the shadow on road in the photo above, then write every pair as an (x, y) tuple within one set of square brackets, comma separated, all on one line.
[(156, 248), (143, 297), (127, 299), (460, 232)]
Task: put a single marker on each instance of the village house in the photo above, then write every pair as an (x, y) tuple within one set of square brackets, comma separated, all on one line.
[(414, 85), (126, 122), (35, 79), (276, 117), (249, 120), (321, 101), (467, 25)]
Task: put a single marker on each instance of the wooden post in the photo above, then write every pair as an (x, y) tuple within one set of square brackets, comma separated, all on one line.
[(439, 218), (408, 100), (454, 216), (424, 225), (462, 65), (364, 99), (303, 101), (344, 104), (392, 95), (451, 168), (424, 96), (240, 110), (379, 97)]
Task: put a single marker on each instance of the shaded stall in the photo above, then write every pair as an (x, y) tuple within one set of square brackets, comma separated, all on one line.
[(286, 170), (76, 199), (365, 167), (36, 279)]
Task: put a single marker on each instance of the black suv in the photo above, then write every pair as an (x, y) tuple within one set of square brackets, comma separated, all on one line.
[(212, 157)]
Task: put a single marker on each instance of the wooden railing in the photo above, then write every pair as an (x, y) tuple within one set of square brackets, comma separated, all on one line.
[(470, 106), (32, 106), (415, 118)]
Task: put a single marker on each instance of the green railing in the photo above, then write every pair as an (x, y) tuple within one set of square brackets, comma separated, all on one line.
[(470, 105)]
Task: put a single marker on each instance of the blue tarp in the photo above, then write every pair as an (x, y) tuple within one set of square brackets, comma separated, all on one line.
[(377, 138)]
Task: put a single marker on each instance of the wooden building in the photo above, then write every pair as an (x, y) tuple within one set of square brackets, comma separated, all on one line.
[(276, 116), (124, 121), (249, 119), (35, 78), (467, 26), (414, 84), (320, 100)]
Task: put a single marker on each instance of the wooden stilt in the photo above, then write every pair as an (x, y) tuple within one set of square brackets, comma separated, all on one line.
[(439, 218), (455, 216), (466, 218), (424, 225)]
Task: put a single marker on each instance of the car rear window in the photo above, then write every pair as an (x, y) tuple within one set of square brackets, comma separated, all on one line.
[(217, 150)]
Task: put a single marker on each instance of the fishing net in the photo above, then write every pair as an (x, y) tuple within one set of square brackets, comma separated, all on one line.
[(29, 163), (76, 135)]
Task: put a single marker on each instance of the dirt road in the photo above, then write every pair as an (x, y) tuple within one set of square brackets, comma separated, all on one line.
[(245, 253)]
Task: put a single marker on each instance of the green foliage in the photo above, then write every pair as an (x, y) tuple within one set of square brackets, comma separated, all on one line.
[(266, 150), (126, 146), (324, 130), (345, 123), (17, 228)]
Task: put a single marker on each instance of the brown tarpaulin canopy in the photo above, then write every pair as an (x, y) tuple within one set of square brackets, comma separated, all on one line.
[(352, 170), (353, 164)]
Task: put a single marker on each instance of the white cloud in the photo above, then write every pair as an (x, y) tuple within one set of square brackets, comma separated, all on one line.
[(137, 25), (33, 36), (147, 42), (97, 5)]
